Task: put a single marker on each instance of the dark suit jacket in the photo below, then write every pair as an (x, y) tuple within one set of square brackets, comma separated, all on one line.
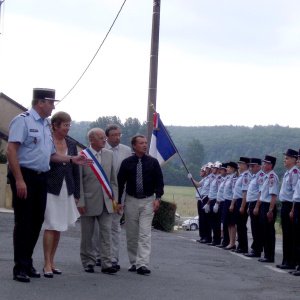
[(60, 171)]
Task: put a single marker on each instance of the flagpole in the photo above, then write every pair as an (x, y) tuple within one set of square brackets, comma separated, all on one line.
[(152, 89), (171, 141)]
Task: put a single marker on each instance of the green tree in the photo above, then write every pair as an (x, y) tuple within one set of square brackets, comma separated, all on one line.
[(194, 156)]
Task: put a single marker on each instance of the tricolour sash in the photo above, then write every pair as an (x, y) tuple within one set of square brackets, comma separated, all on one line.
[(99, 172)]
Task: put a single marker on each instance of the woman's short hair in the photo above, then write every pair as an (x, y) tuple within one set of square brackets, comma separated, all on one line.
[(60, 117)]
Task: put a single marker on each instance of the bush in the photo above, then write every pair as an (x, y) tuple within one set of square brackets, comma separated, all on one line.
[(164, 218), (3, 159)]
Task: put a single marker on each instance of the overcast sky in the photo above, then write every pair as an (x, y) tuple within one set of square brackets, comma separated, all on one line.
[(221, 62)]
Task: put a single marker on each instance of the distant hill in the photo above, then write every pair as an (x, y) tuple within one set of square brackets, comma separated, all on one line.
[(223, 143)]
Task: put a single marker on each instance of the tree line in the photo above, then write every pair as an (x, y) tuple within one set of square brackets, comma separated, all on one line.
[(198, 145)]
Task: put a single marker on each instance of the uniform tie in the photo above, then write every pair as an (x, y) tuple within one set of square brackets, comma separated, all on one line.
[(139, 178)]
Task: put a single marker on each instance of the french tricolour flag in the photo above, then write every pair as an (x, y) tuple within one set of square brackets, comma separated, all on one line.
[(161, 146)]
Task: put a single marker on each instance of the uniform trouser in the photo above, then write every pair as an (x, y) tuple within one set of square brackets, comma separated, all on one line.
[(255, 229), (297, 232), (204, 227), (199, 208), (87, 249), (225, 240), (268, 237), (139, 215), (29, 216), (241, 226), (215, 223), (287, 234)]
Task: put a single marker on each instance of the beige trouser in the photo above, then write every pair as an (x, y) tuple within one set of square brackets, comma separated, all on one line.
[(138, 216), (87, 248)]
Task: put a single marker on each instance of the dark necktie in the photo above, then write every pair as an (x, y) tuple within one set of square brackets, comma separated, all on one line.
[(139, 178)]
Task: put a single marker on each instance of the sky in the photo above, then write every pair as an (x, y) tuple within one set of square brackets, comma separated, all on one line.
[(221, 62)]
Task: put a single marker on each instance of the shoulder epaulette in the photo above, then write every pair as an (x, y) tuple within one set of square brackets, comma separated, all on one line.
[(295, 171), (24, 114), (271, 176)]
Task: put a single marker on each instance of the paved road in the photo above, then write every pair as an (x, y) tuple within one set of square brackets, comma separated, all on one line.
[(181, 269)]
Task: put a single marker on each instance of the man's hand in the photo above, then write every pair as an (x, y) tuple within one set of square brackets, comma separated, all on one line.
[(216, 208), (255, 211), (81, 160), (206, 208), (270, 216), (120, 209), (231, 207), (82, 210), (156, 204), (190, 176), (21, 189)]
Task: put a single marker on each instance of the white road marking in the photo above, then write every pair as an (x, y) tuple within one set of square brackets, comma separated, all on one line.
[(275, 269), (240, 255)]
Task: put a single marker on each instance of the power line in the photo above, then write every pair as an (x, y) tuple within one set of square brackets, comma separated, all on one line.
[(113, 23)]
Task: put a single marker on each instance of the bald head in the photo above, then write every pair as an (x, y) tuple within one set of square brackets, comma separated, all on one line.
[(97, 138)]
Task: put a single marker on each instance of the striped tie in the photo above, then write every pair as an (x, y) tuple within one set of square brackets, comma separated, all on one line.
[(139, 178)]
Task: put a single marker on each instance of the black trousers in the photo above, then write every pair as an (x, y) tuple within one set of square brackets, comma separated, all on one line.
[(214, 224), (297, 233), (203, 221), (256, 245), (287, 234), (268, 237), (241, 226), (29, 216), (225, 240)]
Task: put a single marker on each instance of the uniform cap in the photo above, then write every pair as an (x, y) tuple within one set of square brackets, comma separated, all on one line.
[(270, 159), (209, 165), (43, 94), (255, 161), (291, 153), (217, 164), (244, 160), (223, 166), (232, 165)]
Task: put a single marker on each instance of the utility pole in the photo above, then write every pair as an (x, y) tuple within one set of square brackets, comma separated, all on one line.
[(152, 90)]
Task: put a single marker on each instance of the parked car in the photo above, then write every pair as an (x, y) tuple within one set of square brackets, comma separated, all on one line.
[(191, 224)]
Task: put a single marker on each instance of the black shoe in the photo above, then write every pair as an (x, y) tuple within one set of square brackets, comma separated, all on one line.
[(116, 266), (252, 254), (89, 269), (221, 246), (132, 269), (48, 274), (143, 271), (199, 241), (266, 260), (56, 271), (285, 267), (239, 251), (230, 248), (21, 276), (109, 270), (204, 241), (212, 244), (98, 262), (33, 273), (296, 273)]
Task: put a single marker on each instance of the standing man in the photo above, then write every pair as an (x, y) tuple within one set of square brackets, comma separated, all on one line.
[(266, 209), (95, 205), (144, 187), (238, 204), (29, 150), (289, 182), (256, 181), (120, 152)]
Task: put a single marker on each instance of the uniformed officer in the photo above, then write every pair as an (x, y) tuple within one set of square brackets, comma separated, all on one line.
[(266, 209), (256, 181), (219, 206), (238, 204), (29, 149), (229, 220), (199, 200), (289, 182), (214, 217), (295, 215)]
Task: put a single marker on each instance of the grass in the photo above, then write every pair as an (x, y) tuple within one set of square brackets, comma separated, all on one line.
[(184, 198)]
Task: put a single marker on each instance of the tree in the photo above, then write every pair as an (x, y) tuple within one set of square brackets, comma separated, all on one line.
[(131, 127), (194, 155), (103, 122)]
